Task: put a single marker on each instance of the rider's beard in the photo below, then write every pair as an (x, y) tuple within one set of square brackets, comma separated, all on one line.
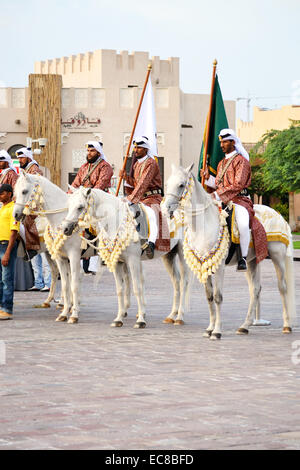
[(92, 160)]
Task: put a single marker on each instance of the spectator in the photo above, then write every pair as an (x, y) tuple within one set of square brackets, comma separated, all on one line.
[(9, 229)]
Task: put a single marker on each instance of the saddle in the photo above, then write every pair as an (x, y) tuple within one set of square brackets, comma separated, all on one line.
[(143, 228)]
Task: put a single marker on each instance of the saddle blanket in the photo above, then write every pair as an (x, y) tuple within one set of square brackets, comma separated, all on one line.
[(277, 229)]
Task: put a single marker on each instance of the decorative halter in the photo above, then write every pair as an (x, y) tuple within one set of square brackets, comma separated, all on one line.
[(34, 205), (202, 265), (35, 201), (54, 239)]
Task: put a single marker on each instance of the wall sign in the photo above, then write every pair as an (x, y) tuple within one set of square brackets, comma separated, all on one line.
[(80, 121)]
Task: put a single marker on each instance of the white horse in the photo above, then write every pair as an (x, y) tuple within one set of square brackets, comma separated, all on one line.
[(119, 245), (37, 195), (203, 229)]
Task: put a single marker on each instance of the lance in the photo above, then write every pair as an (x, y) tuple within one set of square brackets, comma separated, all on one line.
[(134, 126), (204, 163)]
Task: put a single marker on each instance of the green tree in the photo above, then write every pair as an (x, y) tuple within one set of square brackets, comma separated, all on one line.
[(281, 164)]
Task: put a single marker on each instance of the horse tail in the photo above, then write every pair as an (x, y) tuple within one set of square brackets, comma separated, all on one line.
[(290, 282)]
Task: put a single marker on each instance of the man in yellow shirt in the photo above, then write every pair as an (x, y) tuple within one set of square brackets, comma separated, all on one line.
[(9, 229)]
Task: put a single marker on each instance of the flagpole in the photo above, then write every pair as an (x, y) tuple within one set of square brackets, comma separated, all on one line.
[(208, 120), (134, 126)]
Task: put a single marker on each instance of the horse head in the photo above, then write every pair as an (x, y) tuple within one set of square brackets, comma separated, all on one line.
[(22, 194), (176, 186), (77, 206)]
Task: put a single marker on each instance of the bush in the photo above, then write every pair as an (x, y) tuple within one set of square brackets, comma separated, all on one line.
[(283, 209)]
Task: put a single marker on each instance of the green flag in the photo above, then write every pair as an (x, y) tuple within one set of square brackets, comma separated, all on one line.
[(218, 122)]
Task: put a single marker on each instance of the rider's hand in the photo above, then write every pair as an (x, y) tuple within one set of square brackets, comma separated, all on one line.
[(122, 174), (204, 173)]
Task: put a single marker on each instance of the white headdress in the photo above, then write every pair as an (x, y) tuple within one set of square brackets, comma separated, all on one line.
[(229, 134), (97, 146), (143, 142), (26, 152), (5, 157)]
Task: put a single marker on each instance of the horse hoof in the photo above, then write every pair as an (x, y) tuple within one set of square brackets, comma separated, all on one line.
[(44, 305), (169, 321), (140, 324), (179, 322), (61, 318), (73, 320), (207, 334), (242, 331), (287, 330), (116, 324), (215, 336)]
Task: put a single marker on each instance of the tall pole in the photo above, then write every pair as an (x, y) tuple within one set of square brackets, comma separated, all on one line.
[(134, 126), (209, 119)]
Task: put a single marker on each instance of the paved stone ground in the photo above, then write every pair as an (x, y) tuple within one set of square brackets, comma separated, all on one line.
[(89, 386)]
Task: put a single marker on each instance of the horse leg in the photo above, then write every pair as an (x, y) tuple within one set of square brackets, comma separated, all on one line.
[(280, 268), (54, 276), (74, 258), (211, 306), (170, 264), (258, 321), (63, 267), (118, 274), (185, 278), (218, 299), (126, 281), (136, 270), (253, 278)]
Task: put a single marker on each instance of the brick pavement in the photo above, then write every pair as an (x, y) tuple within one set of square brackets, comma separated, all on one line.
[(88, 386)]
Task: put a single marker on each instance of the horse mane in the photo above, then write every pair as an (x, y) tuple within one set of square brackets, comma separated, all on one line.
[(37, 178), (200, 191)]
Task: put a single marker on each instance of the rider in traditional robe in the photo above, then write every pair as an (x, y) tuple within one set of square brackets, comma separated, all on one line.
[(31, 167), (96, 172), (147, 187), (231, 183), (8, 174)]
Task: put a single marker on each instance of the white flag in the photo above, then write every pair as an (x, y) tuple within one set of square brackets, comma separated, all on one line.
[(146, 123)]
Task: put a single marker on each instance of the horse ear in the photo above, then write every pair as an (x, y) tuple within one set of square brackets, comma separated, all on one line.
[(189, 168), (71, 188), (85, 191)]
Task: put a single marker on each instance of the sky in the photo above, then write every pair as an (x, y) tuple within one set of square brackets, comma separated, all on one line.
[(256, 43)]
